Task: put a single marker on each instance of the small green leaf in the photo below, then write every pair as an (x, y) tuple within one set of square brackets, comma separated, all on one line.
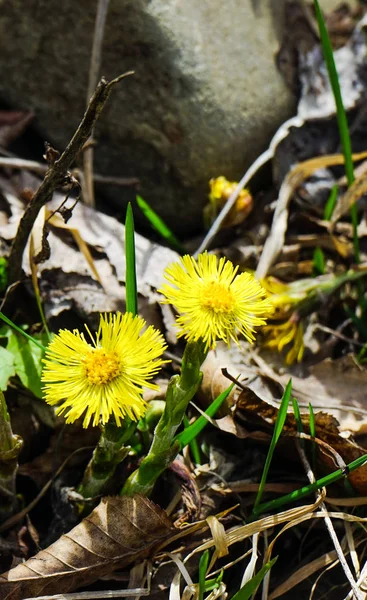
[(159, 225), (318, 261), (7, 368), (331, 202), (203, 565), (130, 283), (3, 273), (251, 586), (27, 362)]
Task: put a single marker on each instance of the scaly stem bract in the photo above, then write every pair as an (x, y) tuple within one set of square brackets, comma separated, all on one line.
[(109, 452), (164, 448)]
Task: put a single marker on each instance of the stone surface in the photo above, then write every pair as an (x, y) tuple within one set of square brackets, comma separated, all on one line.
[(204, 101)]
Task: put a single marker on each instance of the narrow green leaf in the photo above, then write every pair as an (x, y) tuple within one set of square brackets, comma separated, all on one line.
[(331, 202), (194, 446), (251, 586), (312, 487), (312, 421), (130, 283), (189, 434), (318, 261), (341, 118), (203, 565), (19, 330), (7, 368), (3, 273), (278, 427), (313, 435), (159, 225)]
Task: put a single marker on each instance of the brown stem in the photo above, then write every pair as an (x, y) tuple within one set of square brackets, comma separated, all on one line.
[(95, 64), (56, 174)]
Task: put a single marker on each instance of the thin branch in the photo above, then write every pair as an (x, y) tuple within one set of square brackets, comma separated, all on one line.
[(41, 169), (57, 174), (94, 69)]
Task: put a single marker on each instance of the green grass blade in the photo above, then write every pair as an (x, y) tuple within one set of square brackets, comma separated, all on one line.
[(278, 427), (318, 262), (131, 287), (159, 225), (251, 586), (189, 434), (194, 446), (309, 489), (341, 118), (331, 202), (23, 333), (203, 566), (3, 273)]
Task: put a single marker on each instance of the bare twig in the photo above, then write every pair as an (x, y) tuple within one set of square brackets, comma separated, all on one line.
[(57, 174), (94, 69), (41, 168)]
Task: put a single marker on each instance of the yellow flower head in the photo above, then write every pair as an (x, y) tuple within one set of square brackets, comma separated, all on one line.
[(104, 377), (220, 191), (278, 336), (213, 301)]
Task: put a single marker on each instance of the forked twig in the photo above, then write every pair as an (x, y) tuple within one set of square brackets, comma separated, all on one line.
[(57, 174)]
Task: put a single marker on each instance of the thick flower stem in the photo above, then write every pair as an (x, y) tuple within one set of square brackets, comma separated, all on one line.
[(163, 450), (10, 447), (109, 452)]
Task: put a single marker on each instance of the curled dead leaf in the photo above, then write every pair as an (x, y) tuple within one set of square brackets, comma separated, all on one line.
[(260, 415), (118, 531)]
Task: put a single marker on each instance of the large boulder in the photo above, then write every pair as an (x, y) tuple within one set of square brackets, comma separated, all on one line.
[(204, 100)]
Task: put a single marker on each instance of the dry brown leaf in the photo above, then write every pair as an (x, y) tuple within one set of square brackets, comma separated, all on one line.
[(118, 531), (251, 409), (338, 386), (294, 178), (58, 222), (351, 196)]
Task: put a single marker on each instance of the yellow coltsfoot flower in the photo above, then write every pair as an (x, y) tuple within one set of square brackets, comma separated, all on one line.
[(278, 336), (213, 301), (220, 190), (104, 377)]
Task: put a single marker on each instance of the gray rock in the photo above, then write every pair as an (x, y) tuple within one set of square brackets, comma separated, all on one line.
[(204, 100)]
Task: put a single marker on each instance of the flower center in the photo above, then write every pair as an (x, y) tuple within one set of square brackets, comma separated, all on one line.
[(217, 297), (101, 366)]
